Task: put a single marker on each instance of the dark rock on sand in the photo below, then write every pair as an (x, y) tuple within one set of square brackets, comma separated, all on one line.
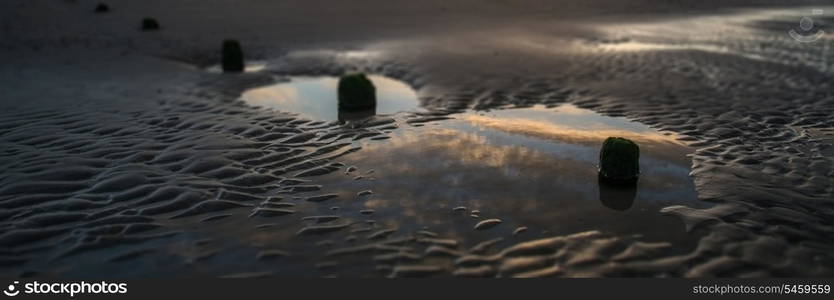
[(150, 24), (102, 8), (232, 56), (619, 160), (356, 93)]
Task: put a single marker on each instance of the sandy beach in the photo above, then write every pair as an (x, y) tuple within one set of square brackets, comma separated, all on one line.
[(129, 154)]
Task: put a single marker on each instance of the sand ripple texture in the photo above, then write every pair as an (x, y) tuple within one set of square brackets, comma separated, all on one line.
[(162, 171)]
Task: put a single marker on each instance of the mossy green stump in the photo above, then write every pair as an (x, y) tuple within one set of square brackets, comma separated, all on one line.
[(619, 161), (356, 92), (232, 57), (150, 24), (102, 8)]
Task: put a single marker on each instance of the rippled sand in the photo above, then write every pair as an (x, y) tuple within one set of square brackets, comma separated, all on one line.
[(124, 155)]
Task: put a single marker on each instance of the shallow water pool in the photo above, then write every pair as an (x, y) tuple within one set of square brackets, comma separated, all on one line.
[(532, 167), (316, 98)]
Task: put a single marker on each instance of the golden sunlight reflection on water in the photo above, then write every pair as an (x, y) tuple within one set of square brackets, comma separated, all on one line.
[(531, 167)]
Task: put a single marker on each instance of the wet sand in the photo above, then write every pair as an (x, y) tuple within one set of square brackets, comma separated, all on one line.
[(125, 155)]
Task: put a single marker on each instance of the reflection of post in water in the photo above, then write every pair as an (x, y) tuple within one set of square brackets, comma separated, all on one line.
[(617, 195), (619, 170), (346, 115)]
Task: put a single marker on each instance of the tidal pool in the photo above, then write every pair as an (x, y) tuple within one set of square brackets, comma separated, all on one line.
[(532, 167), (316, 98)]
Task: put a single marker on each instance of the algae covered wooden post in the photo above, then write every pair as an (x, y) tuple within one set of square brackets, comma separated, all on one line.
[(232, 57), (150, 24), (102, 8), (619, 160), (356, 92)]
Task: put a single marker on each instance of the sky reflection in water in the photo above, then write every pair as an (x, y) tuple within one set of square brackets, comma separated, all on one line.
[(533, 167), (316, 97)]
